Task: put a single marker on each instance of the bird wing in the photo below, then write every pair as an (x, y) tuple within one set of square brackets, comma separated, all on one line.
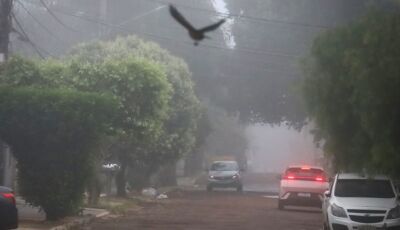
[(179, 18), (213, 26)]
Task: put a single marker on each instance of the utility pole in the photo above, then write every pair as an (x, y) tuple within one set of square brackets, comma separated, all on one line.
[(6, 7), (5, 27), (103, 10)]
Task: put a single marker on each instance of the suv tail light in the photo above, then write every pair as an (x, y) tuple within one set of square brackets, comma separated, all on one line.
[(289, 177), (315, 178), (321, 178), (10, 197)]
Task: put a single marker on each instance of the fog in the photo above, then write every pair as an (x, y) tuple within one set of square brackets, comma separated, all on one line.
[(248, 69), (273, 148)]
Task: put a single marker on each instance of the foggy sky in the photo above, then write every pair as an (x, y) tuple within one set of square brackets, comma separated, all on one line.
[(273, 148)]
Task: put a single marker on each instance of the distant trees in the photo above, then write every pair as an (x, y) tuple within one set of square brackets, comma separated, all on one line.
[(227, 137), (352, 92)]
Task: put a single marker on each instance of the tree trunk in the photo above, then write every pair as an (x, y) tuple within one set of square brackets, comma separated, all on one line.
[(94, 190), (167, 175), (121, 180), (194, 163)]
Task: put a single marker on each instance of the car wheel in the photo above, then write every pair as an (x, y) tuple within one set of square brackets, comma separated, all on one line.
[(281, 206), (209, 188), (239, 188)]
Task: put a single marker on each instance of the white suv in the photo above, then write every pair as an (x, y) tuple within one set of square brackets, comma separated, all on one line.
[(357, 202), (303, 186)]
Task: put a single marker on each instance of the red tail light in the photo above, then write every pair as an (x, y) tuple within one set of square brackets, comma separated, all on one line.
[(289, 177), (10, 197), (321, 178)]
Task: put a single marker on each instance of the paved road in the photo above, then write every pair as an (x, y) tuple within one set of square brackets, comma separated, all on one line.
[(221, 210), (261, 182)]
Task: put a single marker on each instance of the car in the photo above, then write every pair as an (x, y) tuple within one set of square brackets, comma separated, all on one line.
[(302, 186), (224, 174), (361, 202), (8, 209)]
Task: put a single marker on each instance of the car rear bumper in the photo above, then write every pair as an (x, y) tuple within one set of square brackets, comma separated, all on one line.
[(300, 199), (9, 218)]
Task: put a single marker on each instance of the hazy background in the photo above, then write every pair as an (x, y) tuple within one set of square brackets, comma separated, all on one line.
[(248, 71)]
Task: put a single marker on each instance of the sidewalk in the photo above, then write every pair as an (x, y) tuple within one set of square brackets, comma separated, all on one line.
[(31, 218)]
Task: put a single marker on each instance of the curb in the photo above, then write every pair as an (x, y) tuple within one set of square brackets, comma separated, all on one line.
[(74, 223), (80, 222)]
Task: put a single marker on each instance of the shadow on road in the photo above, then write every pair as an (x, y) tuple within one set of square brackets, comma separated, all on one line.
[(301, 209)]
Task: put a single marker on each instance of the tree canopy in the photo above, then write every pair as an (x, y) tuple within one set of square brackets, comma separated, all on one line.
[(352, 92), (177, 136)]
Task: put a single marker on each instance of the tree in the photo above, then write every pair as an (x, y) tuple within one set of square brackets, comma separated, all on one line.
[(177, 137), (53, 134), (351, 90), (194, 160), (227, 137), (143, 93)]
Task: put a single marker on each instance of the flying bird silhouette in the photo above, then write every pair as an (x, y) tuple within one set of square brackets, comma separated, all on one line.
[(196, 34)]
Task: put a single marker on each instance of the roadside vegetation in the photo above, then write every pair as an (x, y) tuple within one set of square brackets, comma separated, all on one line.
[(125, 101), (352, 92)]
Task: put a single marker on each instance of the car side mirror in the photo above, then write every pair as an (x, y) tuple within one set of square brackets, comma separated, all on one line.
[(327, 194), (330, 179), (279, 177)]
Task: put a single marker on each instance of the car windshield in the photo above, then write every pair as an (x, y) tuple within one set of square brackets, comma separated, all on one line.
[(364, 188), (224, 166)]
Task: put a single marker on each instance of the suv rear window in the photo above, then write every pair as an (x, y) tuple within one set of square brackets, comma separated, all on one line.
[(364, 188)]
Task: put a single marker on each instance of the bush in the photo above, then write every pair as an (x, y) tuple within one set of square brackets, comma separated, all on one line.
[(53, 134)]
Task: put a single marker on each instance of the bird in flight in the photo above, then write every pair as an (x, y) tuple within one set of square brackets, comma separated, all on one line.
[(196, 34)]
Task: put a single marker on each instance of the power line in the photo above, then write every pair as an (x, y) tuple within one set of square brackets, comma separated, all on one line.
[(39, 23), (124, 29), (35, 47), (120, 27), (55, 16), (239, 16), (135, 18)]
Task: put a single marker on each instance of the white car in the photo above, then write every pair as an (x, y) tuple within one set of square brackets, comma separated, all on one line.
[(303, 185), (357, 202)]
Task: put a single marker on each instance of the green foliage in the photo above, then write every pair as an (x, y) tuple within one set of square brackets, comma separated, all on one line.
[(140, 87), (53, 134), (352, 91), (177, 136), (227, 136)]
